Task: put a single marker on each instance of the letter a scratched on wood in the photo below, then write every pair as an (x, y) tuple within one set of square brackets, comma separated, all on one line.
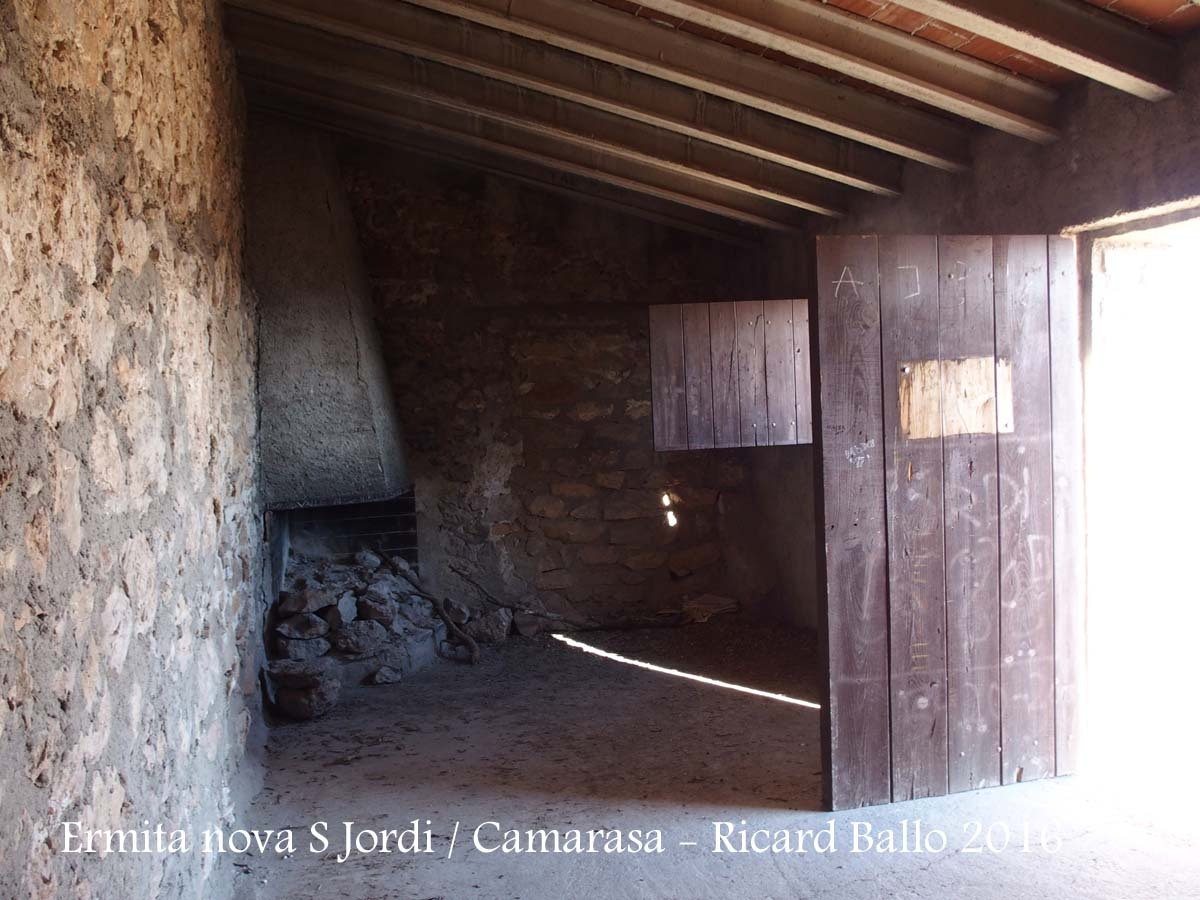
[(847, 277)]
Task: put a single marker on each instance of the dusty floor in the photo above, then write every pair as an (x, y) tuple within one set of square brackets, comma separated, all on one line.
[(544, 736)]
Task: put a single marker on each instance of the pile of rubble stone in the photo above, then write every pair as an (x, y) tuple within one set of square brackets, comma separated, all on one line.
[(358, 621)]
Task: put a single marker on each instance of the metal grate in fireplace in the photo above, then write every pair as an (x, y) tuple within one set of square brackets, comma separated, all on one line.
[(390, 525)]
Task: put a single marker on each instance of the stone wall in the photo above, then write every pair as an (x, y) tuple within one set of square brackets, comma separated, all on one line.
[(129, 534), (514, 322)]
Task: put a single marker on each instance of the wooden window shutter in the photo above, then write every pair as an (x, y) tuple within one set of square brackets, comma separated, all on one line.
[(730, 374)]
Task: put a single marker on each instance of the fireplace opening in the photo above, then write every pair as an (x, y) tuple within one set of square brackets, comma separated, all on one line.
[(386, 526)]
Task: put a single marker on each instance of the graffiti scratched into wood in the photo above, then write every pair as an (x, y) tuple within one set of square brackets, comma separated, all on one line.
[(955, 396)]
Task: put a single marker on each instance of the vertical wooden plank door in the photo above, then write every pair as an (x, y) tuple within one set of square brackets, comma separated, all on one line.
[(965, 289), (1026, 513), (951, 452), (857, 737), (908, 297)]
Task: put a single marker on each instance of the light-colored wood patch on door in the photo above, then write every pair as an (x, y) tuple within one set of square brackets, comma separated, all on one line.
[(955, 396)]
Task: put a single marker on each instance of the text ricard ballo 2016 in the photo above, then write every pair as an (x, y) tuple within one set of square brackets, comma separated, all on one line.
[(343, 841)]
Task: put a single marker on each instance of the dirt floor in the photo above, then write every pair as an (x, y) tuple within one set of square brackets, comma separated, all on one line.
[(542, 735)]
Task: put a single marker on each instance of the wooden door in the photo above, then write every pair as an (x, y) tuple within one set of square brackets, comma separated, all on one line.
[(951, 465)]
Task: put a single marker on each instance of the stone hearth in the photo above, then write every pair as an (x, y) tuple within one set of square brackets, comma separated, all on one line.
[(357, 620)]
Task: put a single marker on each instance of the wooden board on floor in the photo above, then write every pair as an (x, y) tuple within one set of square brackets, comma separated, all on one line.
[(781, 372), (697, 358), (971, 515), (727, 428), (801, 343), (1070, 569), (668, 399), (908, 297), (752, 372), (858, 770), (1026, 479)]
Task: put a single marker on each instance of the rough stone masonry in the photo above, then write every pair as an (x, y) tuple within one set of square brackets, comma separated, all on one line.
[(359, 621), (129, 537), (515, 327)]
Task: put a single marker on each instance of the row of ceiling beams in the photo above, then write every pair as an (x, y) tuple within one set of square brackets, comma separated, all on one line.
[(885, 57), (627, 197), (1073, 35), (385, 88), (600, 33), (593, 92)]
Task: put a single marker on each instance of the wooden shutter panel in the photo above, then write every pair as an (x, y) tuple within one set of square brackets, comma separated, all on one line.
[(801, 344), (730, 374), (697, 358), (780, 361), (667, 391), (722, 320)]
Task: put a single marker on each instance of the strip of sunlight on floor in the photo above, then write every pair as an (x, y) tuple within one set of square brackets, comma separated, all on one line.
[(616, 657)]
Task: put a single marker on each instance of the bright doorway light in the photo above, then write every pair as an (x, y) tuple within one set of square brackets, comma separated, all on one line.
[(1143, 496)]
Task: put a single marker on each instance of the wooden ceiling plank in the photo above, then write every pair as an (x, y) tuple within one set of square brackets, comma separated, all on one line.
[(281, 91), (592, 30), (373, 69), (541, 177), (559, 73), (886, 57), (1071, 34)]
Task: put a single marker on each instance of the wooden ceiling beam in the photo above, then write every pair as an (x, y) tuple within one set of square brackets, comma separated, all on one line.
[(615, 37), (290, 91), (568, 76), (293, 49), (886, 57), (262, 98), (1069, 33)]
